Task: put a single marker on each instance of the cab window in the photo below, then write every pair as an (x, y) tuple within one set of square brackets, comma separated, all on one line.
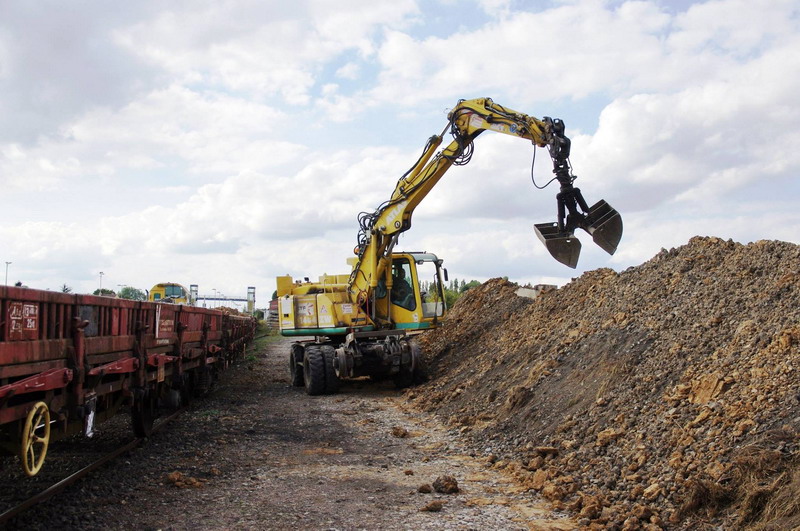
[(173, 291), (402, 290)]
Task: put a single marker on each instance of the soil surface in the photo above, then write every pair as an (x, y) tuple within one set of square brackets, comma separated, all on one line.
[(260, 454), (664, 396)]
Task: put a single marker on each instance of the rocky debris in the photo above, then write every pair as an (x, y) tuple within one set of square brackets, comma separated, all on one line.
[(399, 432), (183, 481), (446, 485), (664, 395), (433, 506), (425, 488)]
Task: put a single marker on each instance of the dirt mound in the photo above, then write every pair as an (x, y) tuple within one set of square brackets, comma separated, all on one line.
[(662, 396)]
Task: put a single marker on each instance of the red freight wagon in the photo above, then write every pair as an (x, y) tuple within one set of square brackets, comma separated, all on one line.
[(70, 361)]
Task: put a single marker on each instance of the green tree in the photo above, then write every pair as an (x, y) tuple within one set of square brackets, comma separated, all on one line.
[(104, 292), (132, 293), (452, 291), (469, 285)]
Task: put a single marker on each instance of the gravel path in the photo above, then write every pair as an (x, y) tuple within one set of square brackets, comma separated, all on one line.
[(260, 454)]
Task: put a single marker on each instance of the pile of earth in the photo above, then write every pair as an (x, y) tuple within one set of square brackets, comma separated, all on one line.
[(667, 395)]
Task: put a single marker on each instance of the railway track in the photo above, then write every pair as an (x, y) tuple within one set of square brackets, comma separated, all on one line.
[(12, 508)]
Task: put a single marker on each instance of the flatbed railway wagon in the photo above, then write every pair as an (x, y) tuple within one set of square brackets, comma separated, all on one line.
[(68, 362)]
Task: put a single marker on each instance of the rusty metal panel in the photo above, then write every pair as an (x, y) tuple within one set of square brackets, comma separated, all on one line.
[(115, 321), (192, 318), (22, 320), (165, 317), (91, 314), (17, 352)]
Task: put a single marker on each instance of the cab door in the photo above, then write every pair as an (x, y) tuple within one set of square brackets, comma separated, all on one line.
[(404, 296)]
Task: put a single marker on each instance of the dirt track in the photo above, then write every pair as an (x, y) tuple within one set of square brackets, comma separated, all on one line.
[(259, 454)]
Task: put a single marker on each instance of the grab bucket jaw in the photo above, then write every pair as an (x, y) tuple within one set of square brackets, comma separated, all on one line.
[(605, 227), (562, 245), (603, 222)]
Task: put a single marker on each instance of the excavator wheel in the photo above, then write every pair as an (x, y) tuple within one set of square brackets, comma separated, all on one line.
[(414, 372), (421, 374), (331, 380), (296, 365), (314, 371), (404, 378)]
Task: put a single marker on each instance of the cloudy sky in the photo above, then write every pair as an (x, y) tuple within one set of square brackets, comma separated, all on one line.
[(226, 142)]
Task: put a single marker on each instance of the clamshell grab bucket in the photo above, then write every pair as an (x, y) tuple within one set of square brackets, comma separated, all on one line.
[(603, 222)]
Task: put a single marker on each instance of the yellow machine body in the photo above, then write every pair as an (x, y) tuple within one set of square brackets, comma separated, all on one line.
[(325, 307), (169, 292)]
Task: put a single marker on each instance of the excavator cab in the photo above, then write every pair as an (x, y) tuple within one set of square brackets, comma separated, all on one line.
[(411, 306)]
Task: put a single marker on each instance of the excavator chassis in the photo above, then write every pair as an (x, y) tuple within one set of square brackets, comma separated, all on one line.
[(321, 365)]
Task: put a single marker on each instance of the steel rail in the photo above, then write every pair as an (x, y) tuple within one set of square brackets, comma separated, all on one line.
[(69, 480)]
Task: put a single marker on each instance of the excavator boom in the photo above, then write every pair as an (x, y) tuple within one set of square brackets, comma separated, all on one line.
[(466, 121), (364, 323)]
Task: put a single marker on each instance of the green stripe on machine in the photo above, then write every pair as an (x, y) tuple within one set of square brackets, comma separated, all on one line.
[(323, 331), (412, 326)]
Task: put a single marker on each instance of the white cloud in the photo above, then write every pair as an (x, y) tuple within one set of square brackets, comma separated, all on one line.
[(260, 49), (226, 143), (173, 129), (348, 71)]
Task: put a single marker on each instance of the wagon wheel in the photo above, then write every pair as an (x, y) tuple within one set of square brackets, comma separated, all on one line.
[(143, 413), (187, 389), (35, 439)]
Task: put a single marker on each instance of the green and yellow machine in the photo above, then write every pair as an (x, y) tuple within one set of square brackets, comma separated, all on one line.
[(363, 323)]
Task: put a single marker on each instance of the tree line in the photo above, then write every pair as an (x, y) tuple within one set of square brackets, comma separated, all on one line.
[(453, 290), (127, 292)]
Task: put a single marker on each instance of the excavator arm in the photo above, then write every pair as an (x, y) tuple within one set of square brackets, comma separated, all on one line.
[(380, 230)]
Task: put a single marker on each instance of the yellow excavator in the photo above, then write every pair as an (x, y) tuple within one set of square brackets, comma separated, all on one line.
[(363, 323)]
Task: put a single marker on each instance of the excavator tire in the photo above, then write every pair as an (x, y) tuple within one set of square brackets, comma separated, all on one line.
[(421, 374), (331, 380), (414, 373), (296, 365), (314, 370)]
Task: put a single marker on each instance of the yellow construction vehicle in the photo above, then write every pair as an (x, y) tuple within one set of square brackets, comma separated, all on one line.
[(169, 292), (363, 323)]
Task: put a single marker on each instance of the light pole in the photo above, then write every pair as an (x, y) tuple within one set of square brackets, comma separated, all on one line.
[(100, 291), (215, 297), (7, 264)]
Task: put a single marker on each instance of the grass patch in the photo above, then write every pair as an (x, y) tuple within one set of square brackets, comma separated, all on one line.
[(264, 335)]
